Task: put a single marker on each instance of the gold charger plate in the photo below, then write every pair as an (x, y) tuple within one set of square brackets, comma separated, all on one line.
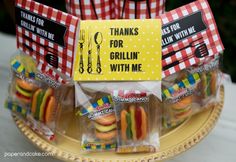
[(172, 143)]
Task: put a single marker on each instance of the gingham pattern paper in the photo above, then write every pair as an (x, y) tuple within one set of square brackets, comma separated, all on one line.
[(157, 7), (85, 11), (210, 36), (52, 73), (65, 54), (112, 9)]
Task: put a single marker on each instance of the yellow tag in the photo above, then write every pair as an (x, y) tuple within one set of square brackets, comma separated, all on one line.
[(118, 50)]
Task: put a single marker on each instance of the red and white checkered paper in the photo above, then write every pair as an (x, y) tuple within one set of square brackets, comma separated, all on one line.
[(210, 36), (157, 7), (65, 54), (84, 9), (112, 9)]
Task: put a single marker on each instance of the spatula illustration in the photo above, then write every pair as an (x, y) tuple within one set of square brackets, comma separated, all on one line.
[(200, 52), (49, 58)]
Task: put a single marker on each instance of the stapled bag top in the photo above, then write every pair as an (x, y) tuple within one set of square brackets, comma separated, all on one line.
[(118, 50), (46, 34), (189, 35)]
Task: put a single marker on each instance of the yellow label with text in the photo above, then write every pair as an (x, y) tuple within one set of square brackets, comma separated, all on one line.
[(118, 50)]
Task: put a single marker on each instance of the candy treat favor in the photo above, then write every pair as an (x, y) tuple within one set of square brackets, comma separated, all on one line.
[(22, 84), (178, 100), (133, 113), (101, 112), (44, 106), (43, 111), (33, 95), (23, 73), (186, 97), (206, 93), (101, 130)]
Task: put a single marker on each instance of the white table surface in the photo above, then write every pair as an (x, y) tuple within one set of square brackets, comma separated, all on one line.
[(218, 146)]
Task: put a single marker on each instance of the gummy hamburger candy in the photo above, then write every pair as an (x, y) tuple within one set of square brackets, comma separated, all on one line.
[(101, 131), (105, 127), (208, 83), (178, 99), (24, 90), (182, 109)]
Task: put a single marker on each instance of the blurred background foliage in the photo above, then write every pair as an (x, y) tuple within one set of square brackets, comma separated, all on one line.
[(223, 10)]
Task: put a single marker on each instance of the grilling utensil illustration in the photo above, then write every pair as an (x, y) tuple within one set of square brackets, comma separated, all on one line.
[(81, 46), (192, 44), (49, 49), (200, 52), (89, 68), (98, 40), (50, 58)]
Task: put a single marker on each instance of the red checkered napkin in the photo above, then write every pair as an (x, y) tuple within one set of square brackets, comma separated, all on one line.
[(91, 9), (115, 9), (38, 43), (129, 9), (210, 36)]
